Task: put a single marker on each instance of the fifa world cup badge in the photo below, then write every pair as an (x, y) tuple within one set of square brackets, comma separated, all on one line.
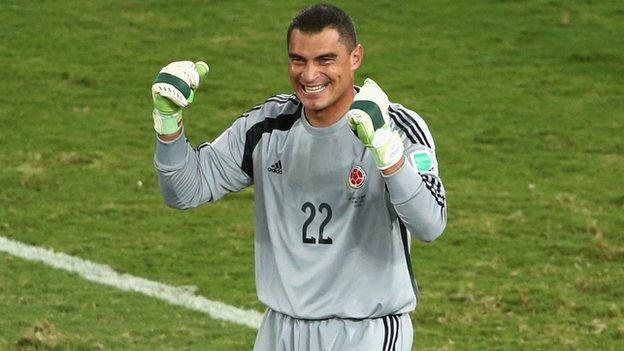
[(357, 177)]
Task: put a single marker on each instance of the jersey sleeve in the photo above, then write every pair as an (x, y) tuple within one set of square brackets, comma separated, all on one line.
[(189, 177), (416, 190)]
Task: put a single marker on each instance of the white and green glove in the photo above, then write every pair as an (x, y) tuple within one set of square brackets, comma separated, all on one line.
[(368, 116), (174, 89)]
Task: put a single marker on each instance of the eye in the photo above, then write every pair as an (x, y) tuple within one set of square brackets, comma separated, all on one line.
[(296, 60), (326, 60)]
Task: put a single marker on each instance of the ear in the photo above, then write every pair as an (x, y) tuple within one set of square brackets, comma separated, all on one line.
[(357, 55)]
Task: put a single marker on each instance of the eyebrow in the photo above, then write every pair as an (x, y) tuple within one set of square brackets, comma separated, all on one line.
[(329, 55)]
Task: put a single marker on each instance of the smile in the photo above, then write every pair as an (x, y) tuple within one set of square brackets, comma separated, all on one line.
[(314, 89)]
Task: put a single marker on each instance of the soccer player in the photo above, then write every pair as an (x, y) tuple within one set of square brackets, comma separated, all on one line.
[(342, 178)]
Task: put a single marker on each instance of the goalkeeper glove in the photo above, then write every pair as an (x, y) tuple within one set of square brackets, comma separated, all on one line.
[(368, 116), (174, 89)]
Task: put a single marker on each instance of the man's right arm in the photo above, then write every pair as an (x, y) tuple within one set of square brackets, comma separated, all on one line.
[(189, 177)]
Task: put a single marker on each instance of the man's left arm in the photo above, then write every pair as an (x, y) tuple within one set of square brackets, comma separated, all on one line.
[(404, 152), (415, 187)]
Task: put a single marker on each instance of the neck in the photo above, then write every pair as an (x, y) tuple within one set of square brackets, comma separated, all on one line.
[(331, 114)]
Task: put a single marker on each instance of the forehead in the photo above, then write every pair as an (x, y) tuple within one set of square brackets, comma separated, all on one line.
[(312, 44)]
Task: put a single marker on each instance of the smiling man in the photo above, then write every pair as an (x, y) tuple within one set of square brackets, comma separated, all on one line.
[(322, 66), (342, 177)]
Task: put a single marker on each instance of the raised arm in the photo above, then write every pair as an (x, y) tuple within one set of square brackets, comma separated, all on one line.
[(189, 177), (404, 152), (416, 189)]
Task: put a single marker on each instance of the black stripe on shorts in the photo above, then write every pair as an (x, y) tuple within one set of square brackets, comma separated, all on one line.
[(391, 332)]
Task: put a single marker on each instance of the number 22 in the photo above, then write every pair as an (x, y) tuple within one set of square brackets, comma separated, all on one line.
[(304, 230)]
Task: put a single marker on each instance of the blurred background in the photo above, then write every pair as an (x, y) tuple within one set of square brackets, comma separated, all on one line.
[(524, 99)]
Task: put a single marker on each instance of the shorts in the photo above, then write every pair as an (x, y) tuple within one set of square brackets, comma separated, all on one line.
[(279, 332)]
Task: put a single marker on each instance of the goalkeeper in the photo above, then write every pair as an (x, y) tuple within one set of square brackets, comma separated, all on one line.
[(343, 179)]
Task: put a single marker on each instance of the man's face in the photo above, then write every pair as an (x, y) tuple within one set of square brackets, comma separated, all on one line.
[(322, 71)]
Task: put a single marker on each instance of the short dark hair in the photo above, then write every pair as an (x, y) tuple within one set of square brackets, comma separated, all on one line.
[(316, 18)]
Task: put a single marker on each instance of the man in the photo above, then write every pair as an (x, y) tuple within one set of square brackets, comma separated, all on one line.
[(341, 176)]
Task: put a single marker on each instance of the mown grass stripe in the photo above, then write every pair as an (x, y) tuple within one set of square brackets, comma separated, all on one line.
[(103, 274)]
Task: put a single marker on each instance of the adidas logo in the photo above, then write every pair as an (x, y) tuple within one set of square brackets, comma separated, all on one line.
[(276, 167)]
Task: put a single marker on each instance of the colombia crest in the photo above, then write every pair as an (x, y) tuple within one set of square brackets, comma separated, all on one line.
[(357, 177)]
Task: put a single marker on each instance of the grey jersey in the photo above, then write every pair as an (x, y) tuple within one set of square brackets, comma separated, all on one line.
[(332, 233)]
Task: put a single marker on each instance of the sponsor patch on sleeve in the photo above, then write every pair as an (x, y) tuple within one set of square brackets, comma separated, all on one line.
[(424, 161)]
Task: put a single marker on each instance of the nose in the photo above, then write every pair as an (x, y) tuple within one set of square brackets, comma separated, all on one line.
[(310, 72)]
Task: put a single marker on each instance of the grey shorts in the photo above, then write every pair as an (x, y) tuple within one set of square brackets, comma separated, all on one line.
[(279, 332)]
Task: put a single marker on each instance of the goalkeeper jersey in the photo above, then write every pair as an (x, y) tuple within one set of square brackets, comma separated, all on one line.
[(332, 234)]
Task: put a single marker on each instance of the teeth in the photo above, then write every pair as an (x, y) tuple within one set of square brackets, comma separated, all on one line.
[(314, 88)]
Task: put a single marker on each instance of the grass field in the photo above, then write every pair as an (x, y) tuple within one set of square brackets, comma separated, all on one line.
[(525, 100)]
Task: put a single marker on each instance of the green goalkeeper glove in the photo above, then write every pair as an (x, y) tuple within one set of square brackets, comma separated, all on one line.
[(368, 116), (174, 89)]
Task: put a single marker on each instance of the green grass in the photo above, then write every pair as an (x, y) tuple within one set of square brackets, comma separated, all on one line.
[(524, 99)]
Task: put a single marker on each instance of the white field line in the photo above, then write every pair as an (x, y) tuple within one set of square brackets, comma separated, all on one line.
[(103, 274)]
